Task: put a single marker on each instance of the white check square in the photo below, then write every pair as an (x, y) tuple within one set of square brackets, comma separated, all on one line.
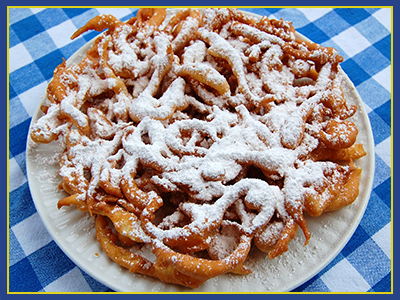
[(382, 237), (313, 14), (358, 41), (384, 16), (18, 57), (37, 10), (31, 97), (384, 150), (73, 281), (384, 78), (61, 34), (343, 277), (31, 234), (16, 176)]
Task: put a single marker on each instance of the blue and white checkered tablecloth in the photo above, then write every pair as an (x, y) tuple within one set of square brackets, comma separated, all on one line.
[(39, 39)]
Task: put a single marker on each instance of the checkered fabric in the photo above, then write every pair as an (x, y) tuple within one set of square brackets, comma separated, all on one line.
[(39, 39)]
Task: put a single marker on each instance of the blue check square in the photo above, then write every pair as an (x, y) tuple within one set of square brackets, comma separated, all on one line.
[(372, 29), (50, 262), (18, 273), (51, 17), (371, 60), (40, 45), (384, 46), (27, 28), (355, 72), (314, 33), (332, 24), (352, 15)]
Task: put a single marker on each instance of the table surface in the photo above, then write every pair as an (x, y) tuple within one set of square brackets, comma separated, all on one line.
[(39, 39)]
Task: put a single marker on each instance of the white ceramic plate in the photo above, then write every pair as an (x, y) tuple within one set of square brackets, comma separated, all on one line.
[(74, 232)]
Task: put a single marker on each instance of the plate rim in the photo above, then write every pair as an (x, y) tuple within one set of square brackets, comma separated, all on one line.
[(72, 255)]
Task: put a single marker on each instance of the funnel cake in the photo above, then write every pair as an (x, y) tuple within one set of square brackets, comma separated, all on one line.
[(200, 137)]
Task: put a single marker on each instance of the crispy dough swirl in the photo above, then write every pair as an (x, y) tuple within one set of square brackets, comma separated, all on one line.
[(199, 137)]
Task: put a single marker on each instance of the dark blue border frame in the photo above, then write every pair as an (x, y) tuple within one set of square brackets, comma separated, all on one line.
[(4, 133)]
